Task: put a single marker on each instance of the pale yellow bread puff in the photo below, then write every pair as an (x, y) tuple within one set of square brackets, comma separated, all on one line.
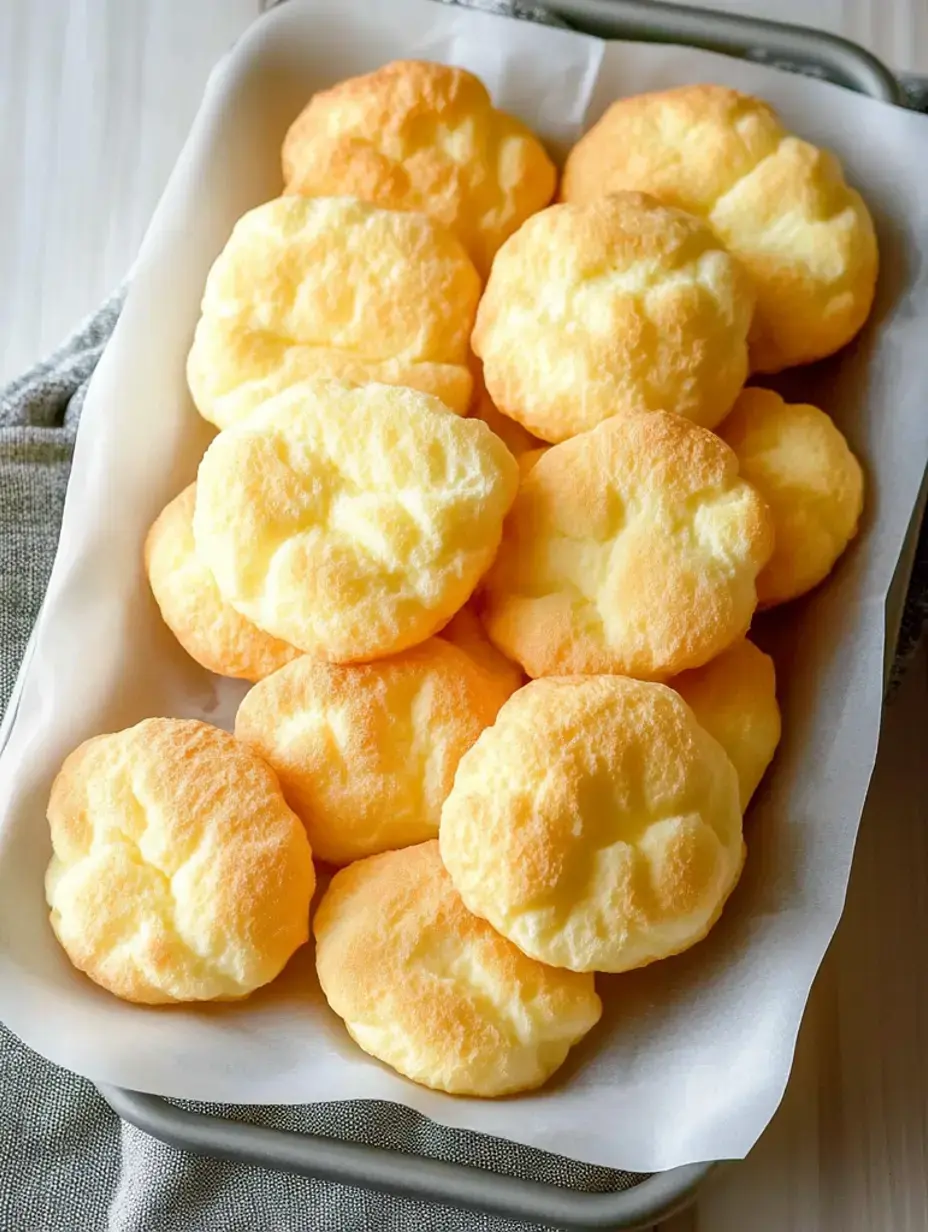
[(528, 459), (366, 752), (620, 306), (465, 631), (779, 204), (596, 824), (420, 136), (179, 873), (211, 632), (518, 440), (332, 288), (814, 486), (351, 522), (734, 698), (435, 992), (632, 549)]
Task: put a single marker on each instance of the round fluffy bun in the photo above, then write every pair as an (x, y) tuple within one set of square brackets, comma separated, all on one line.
[(595, 824), (465, 631), (780, 205), (366, 753), (420, 136), (434, 992), (517, 439), (179, 873), (632, 549), (332, 288), (211, 632), (814, 486), (352, 522), (734, 698), (623, 305)]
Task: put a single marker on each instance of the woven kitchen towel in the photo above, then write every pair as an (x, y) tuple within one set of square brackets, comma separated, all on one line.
[(67, 1164)]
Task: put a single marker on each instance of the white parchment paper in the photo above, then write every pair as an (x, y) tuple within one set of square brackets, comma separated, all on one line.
[(693, 1054)]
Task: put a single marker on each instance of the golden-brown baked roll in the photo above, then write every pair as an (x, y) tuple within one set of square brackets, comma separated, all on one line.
[(779, 204), (432, 990), (518, 440), (420, 136), (332, 288), (366, 752), (179, 873), (465, 630), (734, 698), (814, 486), (351, 522), (620, 306), (595, 824), (211, 632), (631, 549)]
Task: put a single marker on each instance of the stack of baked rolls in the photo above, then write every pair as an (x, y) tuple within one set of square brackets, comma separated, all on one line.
[(486, 524)]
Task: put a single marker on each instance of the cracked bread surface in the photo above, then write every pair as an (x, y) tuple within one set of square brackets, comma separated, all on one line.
[(332, 289), (596, 824), (178, 871), (632, 549), (779, 204), (415, 135), (352, 522), (609, 308), (432, 990)]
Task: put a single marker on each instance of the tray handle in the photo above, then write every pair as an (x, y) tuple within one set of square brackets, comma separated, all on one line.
[(404, 1175), (650, 21)]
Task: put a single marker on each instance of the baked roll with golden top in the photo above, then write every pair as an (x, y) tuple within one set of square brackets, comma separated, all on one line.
[(209, 629), (596, 824), (611, 308), (518, 440), (735, 699), (465, 631), (366, 752), (332, 288), (813, 485), (179, 873), (632, 549), (779, 204), (420, 136), (351, 522), (433, 991)]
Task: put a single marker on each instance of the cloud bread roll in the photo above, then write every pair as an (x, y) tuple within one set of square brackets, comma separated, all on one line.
[(734, 698), (621, 306), (433, 991), (465, 630), (351, 522), (780, 205), (517, 439), (814, 486), (211, 632), (632, 549), (366, 752), (179, 873), (332, 288), (596, 824), (420, 136)]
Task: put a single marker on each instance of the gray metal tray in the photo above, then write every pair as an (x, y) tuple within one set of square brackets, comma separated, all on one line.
[(654, 1197)]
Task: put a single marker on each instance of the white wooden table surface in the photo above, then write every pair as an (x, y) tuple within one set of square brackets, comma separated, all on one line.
[(96, 97)]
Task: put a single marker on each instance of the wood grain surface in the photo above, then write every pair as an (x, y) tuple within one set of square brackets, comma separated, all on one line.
[(96, 97)]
